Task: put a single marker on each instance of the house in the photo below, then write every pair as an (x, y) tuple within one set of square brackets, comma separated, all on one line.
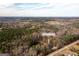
[(48, 34)]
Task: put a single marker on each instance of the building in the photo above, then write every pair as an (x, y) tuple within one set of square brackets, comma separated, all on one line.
[(48, 34)]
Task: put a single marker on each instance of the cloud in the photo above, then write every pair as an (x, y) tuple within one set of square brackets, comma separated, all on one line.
[(40, 9), (22, 6)]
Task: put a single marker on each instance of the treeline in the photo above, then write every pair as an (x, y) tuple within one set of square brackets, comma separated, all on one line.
[(9, 35), (68, 38)]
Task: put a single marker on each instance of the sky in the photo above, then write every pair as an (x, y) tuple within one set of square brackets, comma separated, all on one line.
[(42, 8)]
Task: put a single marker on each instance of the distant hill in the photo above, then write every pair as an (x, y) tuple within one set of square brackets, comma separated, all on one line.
[(37, 18)]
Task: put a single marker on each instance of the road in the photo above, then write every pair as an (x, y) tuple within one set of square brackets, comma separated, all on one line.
[(67, 46)]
